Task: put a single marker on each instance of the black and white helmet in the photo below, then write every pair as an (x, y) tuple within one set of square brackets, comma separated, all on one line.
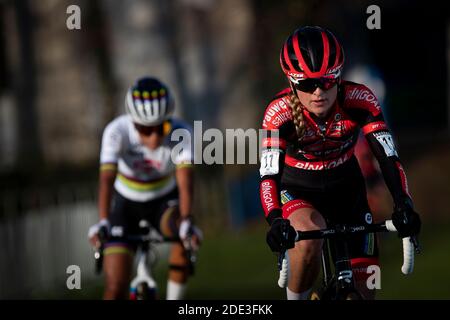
[(149, 102)]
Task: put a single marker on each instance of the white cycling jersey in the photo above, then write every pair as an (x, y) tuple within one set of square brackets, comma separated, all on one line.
[(142, 174)]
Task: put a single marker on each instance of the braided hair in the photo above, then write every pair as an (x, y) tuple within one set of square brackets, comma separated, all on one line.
[(297, 108)]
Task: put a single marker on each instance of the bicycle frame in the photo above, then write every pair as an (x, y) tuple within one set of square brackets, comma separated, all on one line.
[(343, 282), (144, 274)]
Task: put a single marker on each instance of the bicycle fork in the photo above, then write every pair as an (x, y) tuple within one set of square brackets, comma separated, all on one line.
[(344, 273), (326, 267), (143, 281)]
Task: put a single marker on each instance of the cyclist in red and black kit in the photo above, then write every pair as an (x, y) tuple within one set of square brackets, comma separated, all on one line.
[(310, 177)]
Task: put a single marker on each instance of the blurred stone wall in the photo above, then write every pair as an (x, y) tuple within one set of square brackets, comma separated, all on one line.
[(69, 102), (199, 48)]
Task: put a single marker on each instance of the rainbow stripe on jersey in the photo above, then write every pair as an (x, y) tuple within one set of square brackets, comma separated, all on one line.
[(140, 190), (139, 185)]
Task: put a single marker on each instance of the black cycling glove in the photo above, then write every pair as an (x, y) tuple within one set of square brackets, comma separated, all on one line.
[(406, 221), (281, 235)]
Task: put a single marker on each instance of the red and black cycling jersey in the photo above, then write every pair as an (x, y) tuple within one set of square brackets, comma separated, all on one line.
[(325, 153)]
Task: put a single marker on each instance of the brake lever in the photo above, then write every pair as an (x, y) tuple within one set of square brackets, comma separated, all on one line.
[(190, 252), (98, 255), (417, 247), (284, 231), (280, 259), (98, 251)]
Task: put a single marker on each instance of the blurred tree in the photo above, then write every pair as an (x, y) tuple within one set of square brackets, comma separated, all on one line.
[(24, 87), (97, 35), (4, 68)]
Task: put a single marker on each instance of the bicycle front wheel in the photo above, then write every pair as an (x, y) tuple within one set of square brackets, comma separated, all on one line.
[(315, 295), (143, 292), (350, 295)]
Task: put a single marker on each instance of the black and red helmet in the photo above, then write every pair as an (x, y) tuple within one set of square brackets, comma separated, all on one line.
[(311, 52)]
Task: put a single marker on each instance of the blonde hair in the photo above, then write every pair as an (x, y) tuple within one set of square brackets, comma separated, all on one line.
[(297, 115)]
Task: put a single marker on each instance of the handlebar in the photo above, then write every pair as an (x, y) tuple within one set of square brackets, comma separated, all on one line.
[(144, 239), (410, 244), (154, 238)]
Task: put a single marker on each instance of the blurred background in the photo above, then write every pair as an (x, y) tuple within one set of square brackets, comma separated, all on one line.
[(60, 87)]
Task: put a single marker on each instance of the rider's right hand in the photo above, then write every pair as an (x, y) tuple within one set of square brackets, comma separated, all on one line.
[(94, 230), (281, 235)]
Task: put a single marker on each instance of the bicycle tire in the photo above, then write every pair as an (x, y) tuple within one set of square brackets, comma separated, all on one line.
[(330, 293), (349, 295), (353, 296), (315, 295), (144, 292), (323, 293), (318, 295)]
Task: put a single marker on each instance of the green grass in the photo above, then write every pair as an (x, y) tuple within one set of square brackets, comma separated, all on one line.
[(239, 265), (431, 277)]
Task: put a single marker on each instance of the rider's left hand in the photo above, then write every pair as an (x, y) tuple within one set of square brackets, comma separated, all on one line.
[(406, 221), (190, 234)]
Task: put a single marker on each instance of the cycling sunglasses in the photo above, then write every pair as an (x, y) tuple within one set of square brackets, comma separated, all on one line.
[(311, 84), (148, 130)]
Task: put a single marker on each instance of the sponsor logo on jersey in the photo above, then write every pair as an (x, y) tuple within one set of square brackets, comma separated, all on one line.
[(364, 95), (274, 142), (117, 231), (337, 117), (317, 149), (147, 165), (277, 113), (293, 205), (286, 197), (267, 194), (281, 118), (322, 165), (374, 126), (344, 146), (336, 127)]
